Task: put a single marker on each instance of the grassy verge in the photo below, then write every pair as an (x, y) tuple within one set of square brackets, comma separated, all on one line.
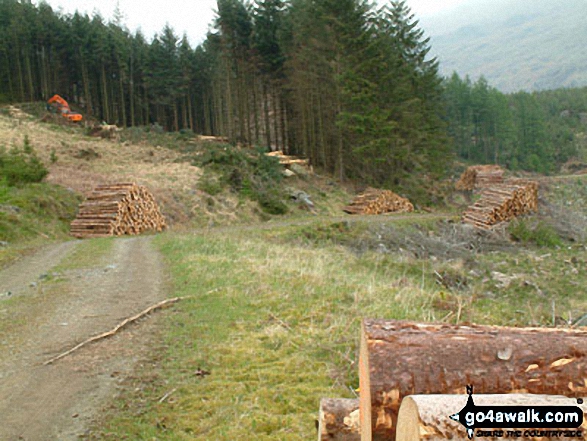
[(31, 213), (276, 325), (273, 316)]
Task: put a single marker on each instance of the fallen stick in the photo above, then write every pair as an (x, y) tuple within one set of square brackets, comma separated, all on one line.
[(167, 395), (118, 327)]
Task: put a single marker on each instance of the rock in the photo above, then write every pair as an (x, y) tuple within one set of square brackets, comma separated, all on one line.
[(302, 198), (288, 173), (300, 170), (3, 243), (10, 209)]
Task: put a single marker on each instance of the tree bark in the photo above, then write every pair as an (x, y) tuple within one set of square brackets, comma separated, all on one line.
[(339, 420), (402, 358), (426, 417)]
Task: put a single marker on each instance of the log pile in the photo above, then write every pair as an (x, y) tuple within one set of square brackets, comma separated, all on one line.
[(398, 359), (375, 201), (503, 202), (107, 131), (480, 176), (116, 210), (287, 160)]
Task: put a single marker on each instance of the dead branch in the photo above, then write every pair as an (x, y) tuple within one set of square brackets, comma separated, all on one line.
[(118, 327)]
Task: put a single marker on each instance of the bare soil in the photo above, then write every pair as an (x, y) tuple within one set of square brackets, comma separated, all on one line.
[(59, 401)]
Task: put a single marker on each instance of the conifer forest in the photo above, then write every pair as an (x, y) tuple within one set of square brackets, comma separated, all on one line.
[(346, 83)]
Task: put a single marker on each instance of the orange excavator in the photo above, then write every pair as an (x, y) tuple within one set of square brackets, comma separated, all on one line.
[(59, 105)]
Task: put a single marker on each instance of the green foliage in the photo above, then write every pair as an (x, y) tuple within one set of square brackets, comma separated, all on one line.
[(535, 132), (21, 166), (249, 172), (30, 209), (539, 233), (210, 184)]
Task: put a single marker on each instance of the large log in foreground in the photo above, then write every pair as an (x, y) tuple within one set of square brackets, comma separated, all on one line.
[(398, 359), (426, 417), (339, 420), (117, 209)]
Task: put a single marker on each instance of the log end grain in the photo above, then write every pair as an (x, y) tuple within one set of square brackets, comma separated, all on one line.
[(426, 417)]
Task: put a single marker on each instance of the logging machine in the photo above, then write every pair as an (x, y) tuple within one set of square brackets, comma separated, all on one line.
[(56, 104)]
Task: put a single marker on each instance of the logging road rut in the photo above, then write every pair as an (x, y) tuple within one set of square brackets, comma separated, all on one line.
[(58, 401)]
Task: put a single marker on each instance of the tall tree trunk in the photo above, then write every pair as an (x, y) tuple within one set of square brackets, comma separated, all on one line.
[(20, 75), (86, 83), (275, 117), (266, 112), (105, 104), (31, 86), (122, 99), (256, 109)]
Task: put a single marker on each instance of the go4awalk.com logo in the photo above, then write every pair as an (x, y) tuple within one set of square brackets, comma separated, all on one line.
[(506, 419)]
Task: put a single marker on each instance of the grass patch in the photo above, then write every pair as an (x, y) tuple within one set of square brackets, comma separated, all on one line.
[(274, 316), (87, 254), (33, 210), (277, 327)]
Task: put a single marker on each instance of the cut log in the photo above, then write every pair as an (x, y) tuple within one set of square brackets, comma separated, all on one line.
[(426, 417), (398, 359), (339, 420), (287, 160)]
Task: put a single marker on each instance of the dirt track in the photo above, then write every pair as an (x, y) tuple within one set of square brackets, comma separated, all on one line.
[(57, 402)]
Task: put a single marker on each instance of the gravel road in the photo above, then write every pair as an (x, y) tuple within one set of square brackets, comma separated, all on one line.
[(59, 401)]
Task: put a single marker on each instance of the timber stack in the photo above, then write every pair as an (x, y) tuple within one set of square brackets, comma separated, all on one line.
[(375, 201), (480, 176), (287, 160), (502, 202), (116, 210), (398, 359)]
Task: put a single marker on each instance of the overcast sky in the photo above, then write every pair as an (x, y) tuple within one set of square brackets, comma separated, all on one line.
[(193, 17)]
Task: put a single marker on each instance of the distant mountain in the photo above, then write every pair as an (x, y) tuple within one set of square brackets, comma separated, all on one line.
[(514, 44)]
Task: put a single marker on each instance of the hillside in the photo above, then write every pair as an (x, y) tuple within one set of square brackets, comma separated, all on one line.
[(516, 45), (266, 316), (196, 182)]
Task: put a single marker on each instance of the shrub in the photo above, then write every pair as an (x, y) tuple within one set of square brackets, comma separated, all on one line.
[(21, 166), (540, 234), (248, 172)]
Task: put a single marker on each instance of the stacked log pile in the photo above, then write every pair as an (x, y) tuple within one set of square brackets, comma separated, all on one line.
[(375, 201), (398, 359), (503, 202), (287, 160), (116, 210), (480, 176)]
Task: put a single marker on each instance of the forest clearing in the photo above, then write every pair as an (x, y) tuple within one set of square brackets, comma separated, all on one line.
[(273, 304)]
